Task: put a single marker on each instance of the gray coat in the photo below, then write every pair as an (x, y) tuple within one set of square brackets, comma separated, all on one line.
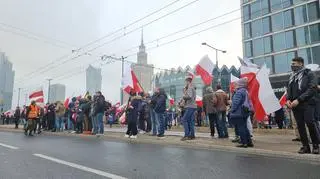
[(190, 97)]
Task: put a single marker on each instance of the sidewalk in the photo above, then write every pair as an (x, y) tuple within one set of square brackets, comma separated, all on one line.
[(271, 145)]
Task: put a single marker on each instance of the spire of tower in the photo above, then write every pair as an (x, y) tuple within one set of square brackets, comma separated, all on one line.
[(142, 36)]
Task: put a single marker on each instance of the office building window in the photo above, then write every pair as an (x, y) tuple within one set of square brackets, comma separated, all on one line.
[(258, 47), (300, 15), (295, 2), (281, 64), (246, 13), (256, 28), (279, 42), (247, 30), (316, 54), (268, 62), (290, 56), (267, 44), (315, 33), (302, 36), (277, 22), (265, 8), (248, 49), (255, 9), (288, 18), (286, 3), (290, 41), (266, 25), (259, 61), (313, 11), (275, 5), (306, 55)]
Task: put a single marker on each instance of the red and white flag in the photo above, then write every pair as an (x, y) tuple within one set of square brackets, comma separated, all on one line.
[(260, 91), (247, 63), (130, 81), (232, 82), (283, 99), (171, 100), (37, 96), (204, 69)]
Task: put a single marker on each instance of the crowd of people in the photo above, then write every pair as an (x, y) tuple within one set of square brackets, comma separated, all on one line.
[(149, 113)]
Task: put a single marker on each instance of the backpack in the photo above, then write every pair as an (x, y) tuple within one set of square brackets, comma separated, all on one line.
[(247, 105)]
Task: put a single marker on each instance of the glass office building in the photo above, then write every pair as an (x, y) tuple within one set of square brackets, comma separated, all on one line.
[(275, 31)]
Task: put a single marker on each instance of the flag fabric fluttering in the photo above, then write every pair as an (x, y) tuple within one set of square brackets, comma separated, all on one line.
[(66, 103), (171, 100), (260, 91), (232, 83), (204, 69), (37, 96), (130, 81), (283, 99)]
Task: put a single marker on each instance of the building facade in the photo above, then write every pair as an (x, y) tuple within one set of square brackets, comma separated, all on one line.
[(142, 69), (57, 92), (173, 81), (93, 79), (6, 82), (275, 31)]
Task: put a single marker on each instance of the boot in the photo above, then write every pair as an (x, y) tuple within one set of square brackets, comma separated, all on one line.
[(304, 150), (315, 149)]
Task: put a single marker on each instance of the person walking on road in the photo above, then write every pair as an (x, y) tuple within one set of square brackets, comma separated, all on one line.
[(32, 114), (222, 103), (17, 115), (209, 103), (154, 120), (160, 109), (60, 113), (301, 98), (189, 97), (132, 115), (99, 109), (240, 111)]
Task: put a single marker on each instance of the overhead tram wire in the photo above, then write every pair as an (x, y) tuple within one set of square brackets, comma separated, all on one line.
[(38, 35), (144, 25), (108, 35), (166, 43)]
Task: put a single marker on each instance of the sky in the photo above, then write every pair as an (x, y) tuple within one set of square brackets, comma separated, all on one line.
[(52, 29)]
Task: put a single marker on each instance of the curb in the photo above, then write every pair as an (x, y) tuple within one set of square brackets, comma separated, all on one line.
[(315, 159)]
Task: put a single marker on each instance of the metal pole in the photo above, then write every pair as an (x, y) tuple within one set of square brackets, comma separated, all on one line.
[(49, 80), (25, 100), (122, 71), (19, 96)]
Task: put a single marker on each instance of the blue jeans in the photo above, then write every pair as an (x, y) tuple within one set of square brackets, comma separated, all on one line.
[(59, 123), (222, 124), (70, 123), (98, 126), (154, 121), (188, 122), (161, 119), (244, 133)]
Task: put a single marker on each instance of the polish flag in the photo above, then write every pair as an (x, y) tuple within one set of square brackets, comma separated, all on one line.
[(66, 103), (283, 99), (199, 101), (171, 100), (204, 69), (247, 63), (37, 96), (260, 91), (232, 83), (130, 80)]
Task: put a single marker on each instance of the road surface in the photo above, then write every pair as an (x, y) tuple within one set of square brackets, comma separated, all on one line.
[(85, 158)]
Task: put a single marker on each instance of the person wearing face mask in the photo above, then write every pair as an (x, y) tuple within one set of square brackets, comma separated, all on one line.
[(301, 98)]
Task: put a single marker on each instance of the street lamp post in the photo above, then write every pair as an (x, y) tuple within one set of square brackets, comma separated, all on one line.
[(217, 62)]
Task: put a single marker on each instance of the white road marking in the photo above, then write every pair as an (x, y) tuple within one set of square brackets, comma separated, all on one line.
[(80, 167), (9, 146)]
